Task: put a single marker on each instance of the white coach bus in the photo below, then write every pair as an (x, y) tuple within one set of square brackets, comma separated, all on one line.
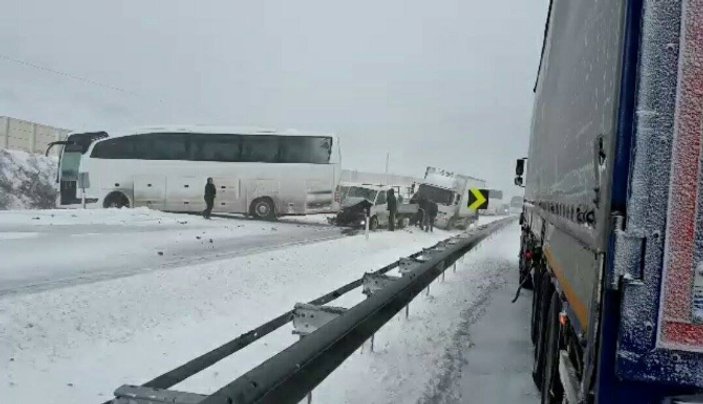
[(262, 173)]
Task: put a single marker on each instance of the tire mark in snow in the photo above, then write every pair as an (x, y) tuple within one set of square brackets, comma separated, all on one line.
[(443, 389)]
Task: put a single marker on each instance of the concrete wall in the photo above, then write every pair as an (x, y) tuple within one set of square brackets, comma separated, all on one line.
[(17, 134)]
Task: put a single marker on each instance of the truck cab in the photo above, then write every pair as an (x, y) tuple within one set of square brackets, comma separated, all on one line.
[(450, 191)]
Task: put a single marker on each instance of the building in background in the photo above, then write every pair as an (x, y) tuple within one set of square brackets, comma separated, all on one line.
[(17, 134), (362, 177)]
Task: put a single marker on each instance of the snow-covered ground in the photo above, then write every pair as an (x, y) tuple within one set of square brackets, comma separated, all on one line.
[(27, 181), (445, 352), (78, 342), (42, 249)]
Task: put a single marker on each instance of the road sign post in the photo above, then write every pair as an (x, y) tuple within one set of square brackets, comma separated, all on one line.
[(478, 199)]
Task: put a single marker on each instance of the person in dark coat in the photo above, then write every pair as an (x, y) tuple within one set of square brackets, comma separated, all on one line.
[(433, 209), (425, 208), (392, 209), (210, 192)]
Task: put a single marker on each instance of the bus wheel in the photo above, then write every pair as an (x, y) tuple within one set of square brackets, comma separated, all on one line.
[(116, 200), (552, 390), (262, 208)]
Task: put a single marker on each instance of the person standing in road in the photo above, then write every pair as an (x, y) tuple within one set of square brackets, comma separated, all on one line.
[(210, 192), (433, 214), (425, 209), (392, 209)]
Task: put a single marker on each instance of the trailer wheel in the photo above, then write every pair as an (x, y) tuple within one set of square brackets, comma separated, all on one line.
[(552, 390), (535, 308), (540, 324)]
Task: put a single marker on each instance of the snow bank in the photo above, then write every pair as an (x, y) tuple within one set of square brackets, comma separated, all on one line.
[(27, 181), (420, 359), (133, 217)]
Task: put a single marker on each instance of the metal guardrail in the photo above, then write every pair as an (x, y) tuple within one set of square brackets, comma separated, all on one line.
[(291, 374)]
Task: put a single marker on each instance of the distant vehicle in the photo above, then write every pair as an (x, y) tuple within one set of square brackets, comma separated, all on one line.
[(495, 203), (73, 149), (261, 173), (450, 192), (612, 226), (372, 198), (516, 205)]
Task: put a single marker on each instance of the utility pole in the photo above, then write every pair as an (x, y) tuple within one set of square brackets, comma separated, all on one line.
[(388, 159)]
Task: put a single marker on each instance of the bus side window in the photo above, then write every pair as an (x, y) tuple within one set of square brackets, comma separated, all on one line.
[(305, 149), (207, 147), (260, 149)]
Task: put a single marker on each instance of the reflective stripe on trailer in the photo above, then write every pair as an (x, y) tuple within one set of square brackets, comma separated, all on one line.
[(682, 295)]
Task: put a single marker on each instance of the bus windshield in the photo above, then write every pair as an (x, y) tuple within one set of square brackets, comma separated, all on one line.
[(76, 145)]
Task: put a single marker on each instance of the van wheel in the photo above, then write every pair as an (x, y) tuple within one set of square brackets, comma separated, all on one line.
[(262, 208), (552, 390), (116, 200), (373, 223)]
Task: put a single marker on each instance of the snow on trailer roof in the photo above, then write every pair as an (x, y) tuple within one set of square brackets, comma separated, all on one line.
[(209, 129)]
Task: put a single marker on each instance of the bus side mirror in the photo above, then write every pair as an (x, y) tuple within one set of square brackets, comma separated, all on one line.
[(518, 181)]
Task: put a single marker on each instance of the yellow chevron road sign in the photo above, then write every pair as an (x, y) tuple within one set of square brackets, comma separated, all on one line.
[(478, 198)]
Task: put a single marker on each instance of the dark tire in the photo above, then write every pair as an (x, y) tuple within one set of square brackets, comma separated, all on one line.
[(116, 200), (373, 223), (526, 280), (540, 322), (535, 309), (262, 208), (552, 390)]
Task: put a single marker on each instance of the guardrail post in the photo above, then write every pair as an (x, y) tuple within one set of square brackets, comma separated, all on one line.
[(305, 322), (366, 225)]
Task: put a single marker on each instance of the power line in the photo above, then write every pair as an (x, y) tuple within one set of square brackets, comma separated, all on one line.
[(69, 75)]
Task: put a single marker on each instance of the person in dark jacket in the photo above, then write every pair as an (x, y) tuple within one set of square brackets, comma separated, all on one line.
[(433, 209), (210, 192), (392, 209), (425, 207)]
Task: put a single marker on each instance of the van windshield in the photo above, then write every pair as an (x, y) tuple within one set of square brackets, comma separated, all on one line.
[(359, 192)]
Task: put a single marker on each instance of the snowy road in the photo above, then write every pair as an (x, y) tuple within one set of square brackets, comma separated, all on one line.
[(79, 342), (46, 249)]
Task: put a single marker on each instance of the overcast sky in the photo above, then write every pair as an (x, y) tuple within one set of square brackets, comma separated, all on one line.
[(446, 83)]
